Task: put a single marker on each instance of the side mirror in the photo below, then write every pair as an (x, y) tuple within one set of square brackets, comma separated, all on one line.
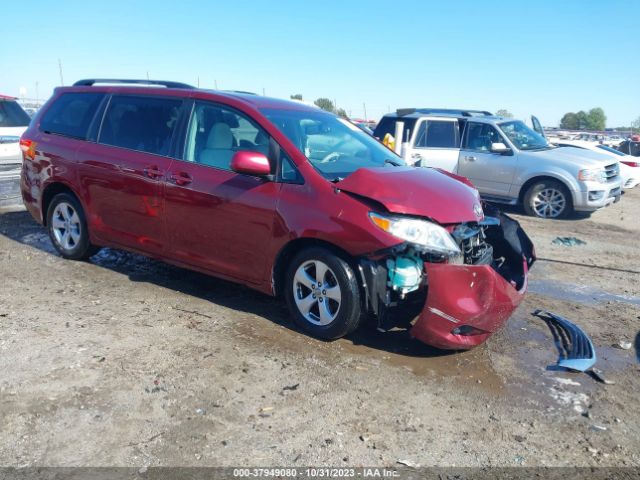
[(251, 163), (499, 148)]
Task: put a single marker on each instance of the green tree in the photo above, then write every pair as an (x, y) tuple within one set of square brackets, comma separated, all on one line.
[(569, 121), (341, 112), (596, 119), (635, 125), (297, 96), (504, 113), (325, 104), (583, 120)]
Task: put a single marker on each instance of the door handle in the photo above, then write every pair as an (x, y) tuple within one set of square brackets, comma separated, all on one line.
[(152, 171), (181, 178), (470, 158)]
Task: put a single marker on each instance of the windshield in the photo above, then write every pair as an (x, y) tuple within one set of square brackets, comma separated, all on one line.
[(335, 147), (522, 136)]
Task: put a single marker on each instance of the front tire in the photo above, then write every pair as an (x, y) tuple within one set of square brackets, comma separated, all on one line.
[(548, 199), (67, 227), (322, 294)]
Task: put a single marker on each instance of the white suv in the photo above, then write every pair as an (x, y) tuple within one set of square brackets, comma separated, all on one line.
[(13, 122)]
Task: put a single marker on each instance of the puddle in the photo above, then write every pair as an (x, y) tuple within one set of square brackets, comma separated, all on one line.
[(572, 292)]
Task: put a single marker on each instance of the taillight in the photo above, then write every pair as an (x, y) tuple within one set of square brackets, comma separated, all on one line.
[(632, 164), (28, 148)]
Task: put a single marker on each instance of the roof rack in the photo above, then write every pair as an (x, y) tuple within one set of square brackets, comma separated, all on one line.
[(437, 111), (88, 82)]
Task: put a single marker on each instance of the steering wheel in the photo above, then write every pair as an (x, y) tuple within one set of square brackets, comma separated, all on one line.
[(333, 156)]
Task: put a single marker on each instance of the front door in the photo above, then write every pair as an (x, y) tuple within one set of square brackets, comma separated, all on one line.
[(491, 173), (122, 173), (217, 219), (436, 143)]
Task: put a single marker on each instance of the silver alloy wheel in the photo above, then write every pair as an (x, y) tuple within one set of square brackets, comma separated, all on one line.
[(316, 292), (549, 203), (66, 226)]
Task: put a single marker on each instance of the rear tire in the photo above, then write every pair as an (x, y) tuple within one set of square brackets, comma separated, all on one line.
[(321, 290), (67, 227), (548, 199)]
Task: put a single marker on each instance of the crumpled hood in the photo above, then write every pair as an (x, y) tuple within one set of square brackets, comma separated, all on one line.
[(416, 191), (573, 155)]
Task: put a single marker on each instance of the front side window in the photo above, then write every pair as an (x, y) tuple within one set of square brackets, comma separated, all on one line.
[(522, 136), (215, 134), (144, 124), (437, 134), (480, 136), (335, 147), (71, 114)]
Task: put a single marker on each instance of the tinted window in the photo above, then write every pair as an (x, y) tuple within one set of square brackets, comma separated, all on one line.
[(480, 136), (12, 115), (216, 133), (71, 114), (437, 134), (145, 124)]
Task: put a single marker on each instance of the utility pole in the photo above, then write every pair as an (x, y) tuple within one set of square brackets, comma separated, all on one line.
[(147, 75), (198, 81), (60, 69), (263, 94), (364, 105), (215, 84)]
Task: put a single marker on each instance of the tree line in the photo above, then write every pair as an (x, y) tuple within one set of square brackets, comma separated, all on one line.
[(594, 119)]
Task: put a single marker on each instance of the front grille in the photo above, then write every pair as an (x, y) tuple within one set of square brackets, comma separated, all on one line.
[(612, 171)]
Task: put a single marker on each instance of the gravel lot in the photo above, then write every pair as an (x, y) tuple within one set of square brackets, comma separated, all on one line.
[(127, 361)]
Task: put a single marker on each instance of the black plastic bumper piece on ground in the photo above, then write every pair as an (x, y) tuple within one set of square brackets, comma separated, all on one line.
[(576, 350)]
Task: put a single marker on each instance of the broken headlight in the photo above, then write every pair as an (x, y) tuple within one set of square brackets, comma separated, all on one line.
[(432, 237)]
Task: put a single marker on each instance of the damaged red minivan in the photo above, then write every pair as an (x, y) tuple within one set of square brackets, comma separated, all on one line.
[(274, 194)]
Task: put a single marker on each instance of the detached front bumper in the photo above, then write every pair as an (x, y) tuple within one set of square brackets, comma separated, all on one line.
[(465, 305)]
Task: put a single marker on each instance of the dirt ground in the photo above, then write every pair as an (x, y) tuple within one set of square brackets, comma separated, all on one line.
[(127, 361)]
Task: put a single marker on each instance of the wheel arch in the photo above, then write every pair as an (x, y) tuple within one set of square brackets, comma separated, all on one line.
[(292, 248), (50, 191), (535, 179)]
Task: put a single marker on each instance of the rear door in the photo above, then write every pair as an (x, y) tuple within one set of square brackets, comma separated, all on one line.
[(123, 172), (436, 143), (491, 173), (217, 219)]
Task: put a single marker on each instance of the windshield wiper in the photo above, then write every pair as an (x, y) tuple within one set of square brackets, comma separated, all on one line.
[(392, 162)]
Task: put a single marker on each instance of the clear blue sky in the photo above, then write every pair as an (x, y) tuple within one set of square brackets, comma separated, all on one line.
[(538, 56)]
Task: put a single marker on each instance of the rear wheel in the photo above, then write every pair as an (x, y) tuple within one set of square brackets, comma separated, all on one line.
[(322, 293), (548, 199), (68, 228)]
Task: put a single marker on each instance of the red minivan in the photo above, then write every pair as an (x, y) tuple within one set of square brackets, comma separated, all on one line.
[(274, 194)]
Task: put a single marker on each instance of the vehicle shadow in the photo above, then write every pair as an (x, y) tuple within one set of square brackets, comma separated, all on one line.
[(20, 227), (518, 210)]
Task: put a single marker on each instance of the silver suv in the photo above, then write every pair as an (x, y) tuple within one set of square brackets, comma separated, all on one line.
[(507, 161)]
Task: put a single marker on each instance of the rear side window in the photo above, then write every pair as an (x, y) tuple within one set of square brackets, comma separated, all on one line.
[(71, 114), (145, 124), (438, 134), (12, 115)]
